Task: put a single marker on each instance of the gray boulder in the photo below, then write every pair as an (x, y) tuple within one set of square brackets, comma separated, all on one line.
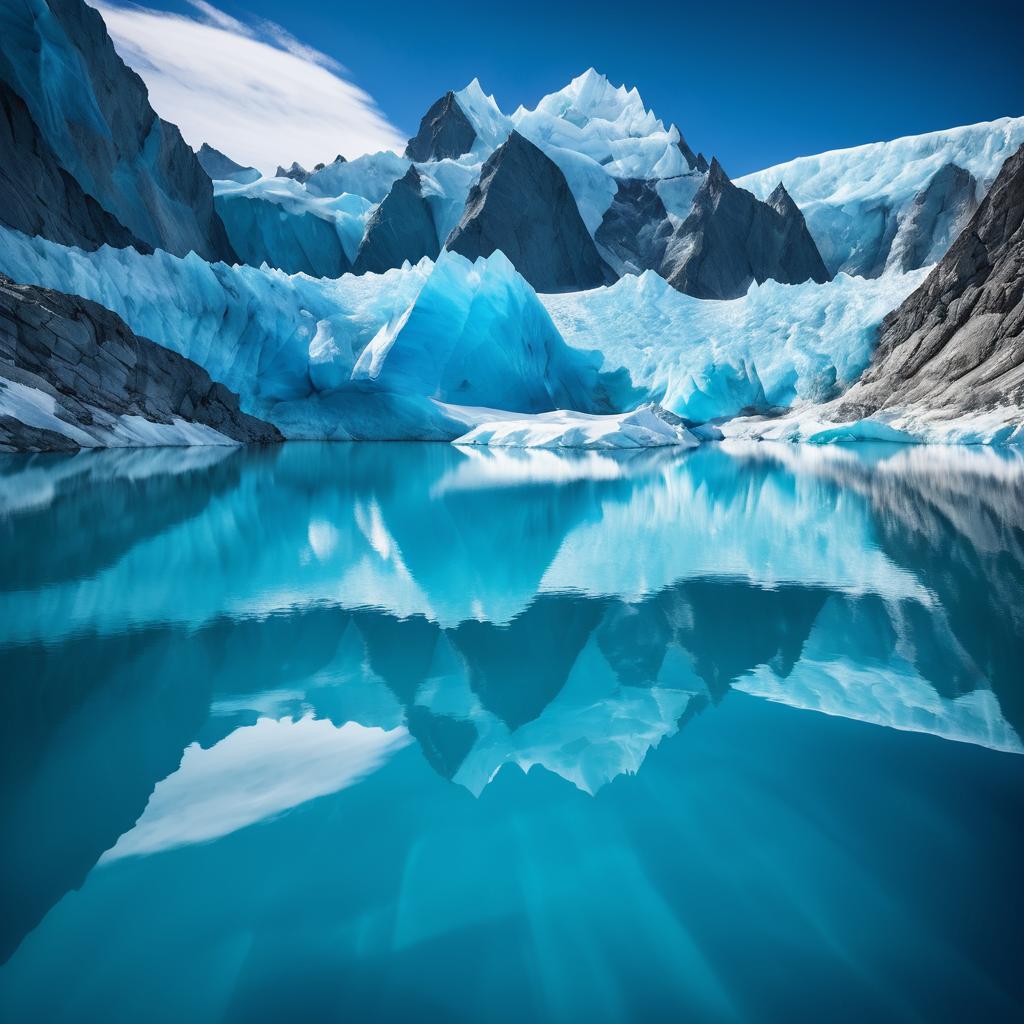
[(523, 206), (84, 363), (444, 132), (401, 228), (956, 344), (39, 197), (96, 117), (222, 168)]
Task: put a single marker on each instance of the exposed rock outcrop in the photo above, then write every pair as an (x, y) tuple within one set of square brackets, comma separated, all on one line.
[(296, 172), (222, 168), (523, 206), (444, 132), (939, 212), (401, 228), (39, 197), (731, 239), (689, 156), (72, 374), (96, 117), (956, 344), (633, 232)]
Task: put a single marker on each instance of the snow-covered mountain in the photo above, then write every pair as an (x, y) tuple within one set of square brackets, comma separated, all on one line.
[(646, 201), (572, 258), (894, 205)]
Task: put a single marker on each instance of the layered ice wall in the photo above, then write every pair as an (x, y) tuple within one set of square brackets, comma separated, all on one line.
[(712, 359), (356, 357), (474, 334), (858, 202)]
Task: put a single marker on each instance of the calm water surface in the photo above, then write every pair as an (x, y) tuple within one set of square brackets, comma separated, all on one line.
[(409, 733)]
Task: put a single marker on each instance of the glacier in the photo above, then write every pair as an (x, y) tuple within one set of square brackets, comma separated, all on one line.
[(394, 354), (372, 356), (709, 360), (857, 200), (281, 222), (595, 132)]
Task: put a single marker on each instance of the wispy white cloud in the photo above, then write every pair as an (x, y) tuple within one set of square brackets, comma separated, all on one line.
[(253, 91)]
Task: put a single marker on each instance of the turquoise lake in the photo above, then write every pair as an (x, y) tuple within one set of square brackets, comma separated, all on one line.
[(407, 732)]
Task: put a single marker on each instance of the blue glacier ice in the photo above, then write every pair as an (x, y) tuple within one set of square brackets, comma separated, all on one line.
[(280, 221), (372, 356), (856, 201), (379, 356), (370, 176), (711, 359)]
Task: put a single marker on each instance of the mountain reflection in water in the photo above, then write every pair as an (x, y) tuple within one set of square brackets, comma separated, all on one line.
[(193, 642)]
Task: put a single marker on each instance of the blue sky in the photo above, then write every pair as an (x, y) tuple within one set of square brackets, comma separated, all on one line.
[(754, 84)]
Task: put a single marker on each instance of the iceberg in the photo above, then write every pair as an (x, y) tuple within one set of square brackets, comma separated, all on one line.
[(647, 427), (856, 201)]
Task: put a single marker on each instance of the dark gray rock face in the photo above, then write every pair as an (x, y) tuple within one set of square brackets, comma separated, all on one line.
[(632, 232), (689, 156), (222, 168), (523, 206), (401, 228), (444, 132), (956, 344), (296, 172), (702, 163), (939, 213), (93, 368), (261, 231), (39, 197), (96, 117), (731, 239)]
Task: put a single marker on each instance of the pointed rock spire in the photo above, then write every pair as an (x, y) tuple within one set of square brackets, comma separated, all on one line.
[(688, 154), (523, 206), (445, 132), (401, 228), (296, 172)]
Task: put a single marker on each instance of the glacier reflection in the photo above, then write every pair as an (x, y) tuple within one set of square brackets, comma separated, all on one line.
[(211, 637)]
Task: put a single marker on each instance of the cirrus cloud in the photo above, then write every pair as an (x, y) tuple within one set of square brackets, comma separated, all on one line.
[(253, 91)]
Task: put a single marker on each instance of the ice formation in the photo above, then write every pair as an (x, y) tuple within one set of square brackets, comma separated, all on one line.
[(856, 200), (473, 335), (647, 427), (708, 360), (279, 220), (353, 357)]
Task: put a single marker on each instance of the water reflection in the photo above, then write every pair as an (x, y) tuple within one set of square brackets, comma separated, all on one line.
[(210, 638)]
